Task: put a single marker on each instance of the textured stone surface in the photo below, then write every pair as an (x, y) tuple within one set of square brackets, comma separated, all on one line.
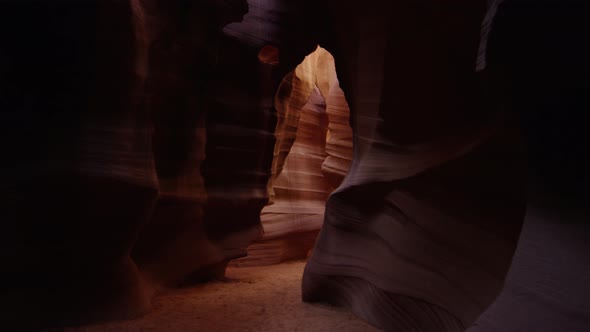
[(109, 97), (138, 139), (203, 131), (428, 217), (300, 189), (312, 156)]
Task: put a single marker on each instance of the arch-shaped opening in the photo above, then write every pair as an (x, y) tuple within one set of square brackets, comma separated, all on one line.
[(312, 154)]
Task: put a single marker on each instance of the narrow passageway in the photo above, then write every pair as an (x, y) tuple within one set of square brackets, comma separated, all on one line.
[(266, 298), (312, 155), (323, 165)]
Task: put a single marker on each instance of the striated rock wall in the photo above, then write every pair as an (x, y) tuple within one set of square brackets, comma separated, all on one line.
[(301, 188), (312, 155), (110, 100), (138, 141), (420, 234), (177, 43), (147, 139)]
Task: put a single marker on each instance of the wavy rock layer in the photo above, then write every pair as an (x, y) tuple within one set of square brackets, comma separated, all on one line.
[(239, 149), (212, 139), (176, 66), (312, 155), (106, 104), (110, 97), (301, 189), (428, 217)]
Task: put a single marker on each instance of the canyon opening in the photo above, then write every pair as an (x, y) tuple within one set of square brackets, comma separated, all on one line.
[(294, 165)]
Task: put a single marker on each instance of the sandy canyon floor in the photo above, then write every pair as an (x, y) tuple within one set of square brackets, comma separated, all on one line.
[(252, 299)]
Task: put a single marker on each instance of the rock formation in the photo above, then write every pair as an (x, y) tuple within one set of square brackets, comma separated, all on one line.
[(421, 233), (138, 141), (177, 63), (110, 96), (312, 156), (78, 175), (539, 71)]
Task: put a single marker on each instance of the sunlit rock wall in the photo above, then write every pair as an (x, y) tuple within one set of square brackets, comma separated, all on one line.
[(312, 155)]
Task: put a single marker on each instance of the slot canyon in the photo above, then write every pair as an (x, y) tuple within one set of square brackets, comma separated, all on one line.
[(295, 165)]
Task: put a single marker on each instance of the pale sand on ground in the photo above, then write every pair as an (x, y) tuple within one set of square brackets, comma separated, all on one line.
[(252, 299)]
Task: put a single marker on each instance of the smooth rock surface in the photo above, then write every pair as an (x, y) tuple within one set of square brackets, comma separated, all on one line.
[(428, 217)]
